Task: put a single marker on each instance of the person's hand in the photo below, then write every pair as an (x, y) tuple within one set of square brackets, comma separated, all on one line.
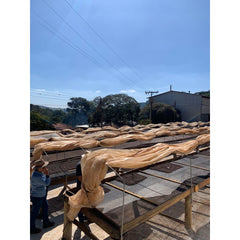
[(45, 170)]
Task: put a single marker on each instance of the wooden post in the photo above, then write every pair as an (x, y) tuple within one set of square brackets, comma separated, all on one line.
[(67, 226), (188, 212)]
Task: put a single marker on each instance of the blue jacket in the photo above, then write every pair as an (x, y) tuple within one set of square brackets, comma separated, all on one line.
[(39, 183)]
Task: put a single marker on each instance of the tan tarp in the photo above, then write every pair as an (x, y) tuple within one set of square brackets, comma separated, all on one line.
[(34, 141), (43, 132), (95, 164), (109, 138), (62, 146)]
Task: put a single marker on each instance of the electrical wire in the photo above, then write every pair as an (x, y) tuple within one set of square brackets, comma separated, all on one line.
[(49, 97), (105, 42), (67, 41), (83, 39)]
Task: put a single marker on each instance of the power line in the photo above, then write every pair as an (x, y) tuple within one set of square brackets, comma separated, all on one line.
[(93, 48), (66, 40), (104, 41), (49, 97), (48, 92), (63, 96), (69, 43)]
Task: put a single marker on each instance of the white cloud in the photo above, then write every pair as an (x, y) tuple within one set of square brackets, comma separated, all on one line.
[(39, 90), (128, 91), (98, 91)]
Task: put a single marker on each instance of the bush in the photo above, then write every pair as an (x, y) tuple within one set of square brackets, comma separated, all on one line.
[(161, 113), (144, 121)]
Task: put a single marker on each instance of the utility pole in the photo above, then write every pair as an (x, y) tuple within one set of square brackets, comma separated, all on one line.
[(150, 102)]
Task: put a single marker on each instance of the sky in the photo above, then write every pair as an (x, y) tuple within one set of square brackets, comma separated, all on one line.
[(94, 48)]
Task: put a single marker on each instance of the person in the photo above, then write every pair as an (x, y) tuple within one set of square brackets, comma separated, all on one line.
[(40, 180)]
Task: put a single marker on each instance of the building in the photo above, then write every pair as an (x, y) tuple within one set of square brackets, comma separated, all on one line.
[(193, 107)]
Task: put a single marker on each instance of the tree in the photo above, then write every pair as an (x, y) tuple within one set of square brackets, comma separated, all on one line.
[(78, 110), (37, 123), (58, 116), (119, 109), (96, 118), (161, 113), (48, 114)]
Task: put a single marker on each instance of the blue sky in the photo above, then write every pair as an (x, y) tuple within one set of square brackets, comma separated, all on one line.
[(92, 48)]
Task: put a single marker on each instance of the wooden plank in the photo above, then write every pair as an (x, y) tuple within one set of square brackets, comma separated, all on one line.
[(204, 183), (114, 229), (107, 224), (84, 228), (67, 225), (143, 218), (205, 156), (188, 212), (167, 179)]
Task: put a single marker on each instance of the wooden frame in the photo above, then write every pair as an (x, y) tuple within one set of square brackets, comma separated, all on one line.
[(112, 228)]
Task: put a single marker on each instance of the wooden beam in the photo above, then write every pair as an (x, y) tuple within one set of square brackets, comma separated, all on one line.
[(143, 218), (104, 222), (84, 228), (188, 212), (204, 183), (67, 225), (167, 179), (205, 156)]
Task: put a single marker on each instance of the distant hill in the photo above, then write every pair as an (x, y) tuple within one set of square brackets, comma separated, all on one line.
[(52, 108), (46, 117)]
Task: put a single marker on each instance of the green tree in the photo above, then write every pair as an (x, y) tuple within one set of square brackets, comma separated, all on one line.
[(58, 116), (119, 109), (37, 123), (48, 114), (96, 118), (78, 110), (161, 113)]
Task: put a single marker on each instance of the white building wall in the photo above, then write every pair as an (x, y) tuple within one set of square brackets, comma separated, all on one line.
[(190, 105)]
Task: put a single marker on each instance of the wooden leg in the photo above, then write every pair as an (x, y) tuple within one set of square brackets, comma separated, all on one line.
[(67, 226), (188, 212)]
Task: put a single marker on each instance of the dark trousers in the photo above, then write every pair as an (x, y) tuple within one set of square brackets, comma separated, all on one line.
[(37, 203), (81, 217)]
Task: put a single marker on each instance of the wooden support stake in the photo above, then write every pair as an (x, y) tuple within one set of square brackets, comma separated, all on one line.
[(205, 156), (67, 226), (164, 178), (188, 212), (143, 218), (85, 229)]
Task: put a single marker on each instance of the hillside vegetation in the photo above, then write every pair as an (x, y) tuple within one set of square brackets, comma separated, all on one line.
[(116, 109)]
